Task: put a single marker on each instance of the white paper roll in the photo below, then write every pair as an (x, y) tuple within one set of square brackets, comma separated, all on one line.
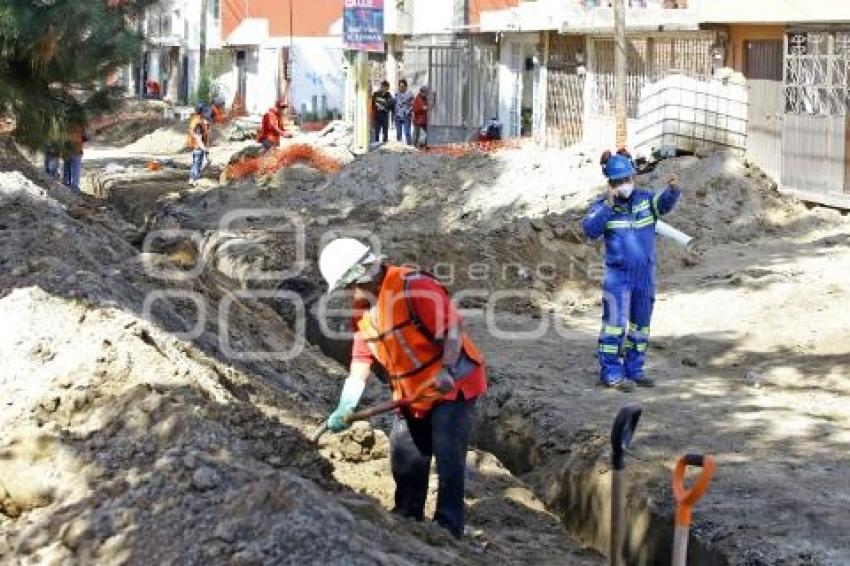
[(667, 231)]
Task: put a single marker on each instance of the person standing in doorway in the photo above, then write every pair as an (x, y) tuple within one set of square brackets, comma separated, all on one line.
[(382, 106), (420, 118), (403, 110)]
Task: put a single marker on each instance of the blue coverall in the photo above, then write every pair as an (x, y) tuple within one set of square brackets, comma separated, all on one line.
[(629, 287)]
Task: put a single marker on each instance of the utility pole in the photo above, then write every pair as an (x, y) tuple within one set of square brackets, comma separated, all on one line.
[(620, 60), (202, 57), (140, 27), (361, 112)]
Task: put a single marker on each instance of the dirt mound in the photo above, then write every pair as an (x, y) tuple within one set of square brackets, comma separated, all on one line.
[(126, 129), (167, 140), (505, 220), (120, 441), (132, 433)]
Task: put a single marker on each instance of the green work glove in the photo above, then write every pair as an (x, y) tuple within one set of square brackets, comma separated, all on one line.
[(348, 399)]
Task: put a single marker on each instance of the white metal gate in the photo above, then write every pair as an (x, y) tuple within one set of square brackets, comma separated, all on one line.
[(815, 146), (462, 76)]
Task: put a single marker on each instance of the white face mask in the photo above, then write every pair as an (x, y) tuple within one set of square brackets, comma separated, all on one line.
[(626, 189)]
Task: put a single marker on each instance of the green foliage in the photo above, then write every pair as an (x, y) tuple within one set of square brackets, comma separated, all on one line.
[(55, 56), (206, 91)]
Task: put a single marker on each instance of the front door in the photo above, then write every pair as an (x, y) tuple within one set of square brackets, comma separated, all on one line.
[(763, 69)]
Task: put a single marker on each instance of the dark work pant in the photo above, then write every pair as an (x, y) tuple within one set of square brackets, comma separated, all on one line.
[(382, 126), (443, 433)]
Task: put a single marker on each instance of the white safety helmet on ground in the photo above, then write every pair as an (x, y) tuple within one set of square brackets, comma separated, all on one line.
[(344, 261)]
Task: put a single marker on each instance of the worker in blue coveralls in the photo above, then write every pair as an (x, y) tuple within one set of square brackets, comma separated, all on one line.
[(626, 217)]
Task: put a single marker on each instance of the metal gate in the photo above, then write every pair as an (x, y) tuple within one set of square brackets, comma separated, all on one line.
[(815, 148), (766, 109), (565, 90), (463, 80)]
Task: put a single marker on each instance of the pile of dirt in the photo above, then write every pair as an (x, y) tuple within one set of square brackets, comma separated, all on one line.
[(167, 140), (116, 434), (162, 141), (126, 128), (505, 220), (133, 433)]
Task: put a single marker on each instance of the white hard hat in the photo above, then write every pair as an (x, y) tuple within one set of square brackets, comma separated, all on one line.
[(343, 261)]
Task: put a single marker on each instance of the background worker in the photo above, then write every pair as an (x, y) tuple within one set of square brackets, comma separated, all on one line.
[(403, 111), (218, 113), (153, 90), (410, 326), (382, 107), (271, 130), (72, 163), (420, 118), (199, 137), (626, 218)]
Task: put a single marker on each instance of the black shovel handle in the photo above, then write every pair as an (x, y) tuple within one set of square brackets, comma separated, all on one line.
[(622, 433)]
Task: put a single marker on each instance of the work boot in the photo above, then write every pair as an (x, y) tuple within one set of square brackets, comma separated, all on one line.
[(624, 385), (643, 381)]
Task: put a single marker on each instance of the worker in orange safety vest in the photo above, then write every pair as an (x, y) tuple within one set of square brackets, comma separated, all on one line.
[(409, 325), (198, 141)]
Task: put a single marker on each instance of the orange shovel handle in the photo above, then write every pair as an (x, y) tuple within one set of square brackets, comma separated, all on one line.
[(686, 499)]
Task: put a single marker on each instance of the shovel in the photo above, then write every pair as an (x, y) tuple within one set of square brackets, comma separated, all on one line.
[(686, 499), (380, 408), (621, 436)]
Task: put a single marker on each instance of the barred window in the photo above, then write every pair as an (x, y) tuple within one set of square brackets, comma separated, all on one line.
[(816, 72)]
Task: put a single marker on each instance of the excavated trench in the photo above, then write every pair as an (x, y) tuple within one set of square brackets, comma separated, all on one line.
[(576, 491), (579, 492)]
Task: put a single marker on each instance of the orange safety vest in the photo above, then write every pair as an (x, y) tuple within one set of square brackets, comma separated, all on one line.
[(194, 121), (402, 344)]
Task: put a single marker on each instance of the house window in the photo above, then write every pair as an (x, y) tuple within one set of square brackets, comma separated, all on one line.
[(215, 6)]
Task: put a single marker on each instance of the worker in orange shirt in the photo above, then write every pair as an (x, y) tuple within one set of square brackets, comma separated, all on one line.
[(153, 89), (409, 325), (271, 130)]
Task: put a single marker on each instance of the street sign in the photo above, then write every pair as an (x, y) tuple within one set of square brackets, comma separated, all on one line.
[(363, 25)]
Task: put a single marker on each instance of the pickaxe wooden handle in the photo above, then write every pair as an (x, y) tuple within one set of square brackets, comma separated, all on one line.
[(379, 409)]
